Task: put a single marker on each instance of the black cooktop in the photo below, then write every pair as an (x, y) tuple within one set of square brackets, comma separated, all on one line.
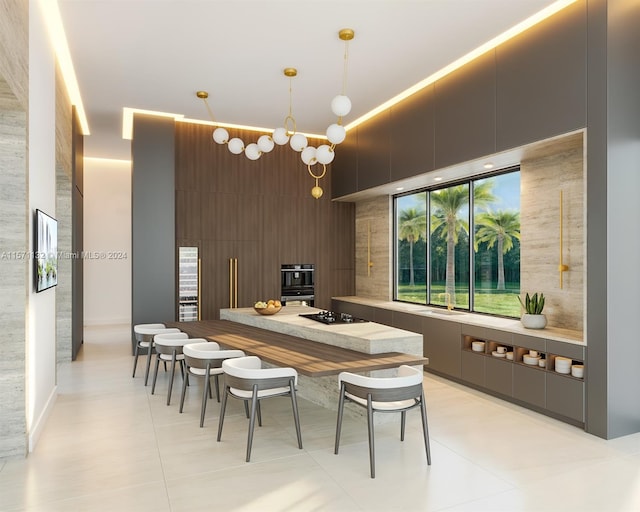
[(330, 317)]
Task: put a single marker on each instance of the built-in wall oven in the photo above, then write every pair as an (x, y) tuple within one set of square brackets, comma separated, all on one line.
[(297, 283)]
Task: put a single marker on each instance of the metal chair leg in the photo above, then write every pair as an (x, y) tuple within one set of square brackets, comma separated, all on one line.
[(205, 391), (223, 407), (403, 422), (339, 424), (372, 454), (296, 417), (155, 375), (217, 383), (149, 355), (135, 359), (252, 420), (184, 391), (173, 370), (425, 428)]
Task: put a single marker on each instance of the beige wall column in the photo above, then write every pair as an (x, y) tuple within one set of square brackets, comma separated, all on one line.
[(373, 247)]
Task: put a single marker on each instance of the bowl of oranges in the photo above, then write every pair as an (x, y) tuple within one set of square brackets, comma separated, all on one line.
[(270, 307)]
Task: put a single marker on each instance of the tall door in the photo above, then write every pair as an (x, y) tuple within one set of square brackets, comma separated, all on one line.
[(230, 273)]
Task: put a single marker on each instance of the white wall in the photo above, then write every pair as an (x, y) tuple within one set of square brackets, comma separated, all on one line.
[(107, 241), (41, 311)]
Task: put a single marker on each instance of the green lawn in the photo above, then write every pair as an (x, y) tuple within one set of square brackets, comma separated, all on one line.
[(503, 303)]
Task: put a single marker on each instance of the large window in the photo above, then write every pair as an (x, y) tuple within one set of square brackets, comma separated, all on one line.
[(465, 253)]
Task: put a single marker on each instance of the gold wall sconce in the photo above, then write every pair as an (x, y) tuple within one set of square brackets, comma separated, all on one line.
[(369, 262), (561, 266)]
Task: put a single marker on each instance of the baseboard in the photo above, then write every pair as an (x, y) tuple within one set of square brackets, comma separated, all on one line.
[(38, 425)]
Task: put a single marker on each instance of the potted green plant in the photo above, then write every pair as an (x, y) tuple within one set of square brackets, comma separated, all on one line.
[(532, 317)]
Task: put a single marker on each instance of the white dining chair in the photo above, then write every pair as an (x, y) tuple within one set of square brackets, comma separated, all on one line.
[(144, 334), (169, 349), (384, 394), (245, 379), (204, 359)]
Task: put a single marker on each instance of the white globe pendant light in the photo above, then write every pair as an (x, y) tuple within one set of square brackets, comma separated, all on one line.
[(221, 136), (341, 105), (265, 143), (309, 155), (280, 136), (336, 133), (236, 146), (324, 154), (298, 142), (252, 151)]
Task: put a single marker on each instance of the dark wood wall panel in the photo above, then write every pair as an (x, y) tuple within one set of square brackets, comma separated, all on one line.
[(262, 213)]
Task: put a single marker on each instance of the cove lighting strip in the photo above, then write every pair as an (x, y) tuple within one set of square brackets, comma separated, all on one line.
[(53, 20), (550, 10), (127, 119), (473, 54)]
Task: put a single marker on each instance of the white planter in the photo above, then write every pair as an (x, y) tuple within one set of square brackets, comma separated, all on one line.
[(534, 321)]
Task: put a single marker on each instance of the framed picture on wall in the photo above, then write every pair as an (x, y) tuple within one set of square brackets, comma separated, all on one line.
[(45, 251)]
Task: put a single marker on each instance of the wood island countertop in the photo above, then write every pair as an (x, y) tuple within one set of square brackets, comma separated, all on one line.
[(310, 358)]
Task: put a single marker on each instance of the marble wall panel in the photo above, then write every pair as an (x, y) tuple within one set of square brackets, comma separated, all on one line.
[(64, 288), (14, 267), (373, 239), (560, 167), (14, 48)]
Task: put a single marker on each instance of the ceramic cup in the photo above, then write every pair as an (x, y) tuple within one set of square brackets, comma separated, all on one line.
[(541, 363), (577, 370), (501, 350), (533, 353)]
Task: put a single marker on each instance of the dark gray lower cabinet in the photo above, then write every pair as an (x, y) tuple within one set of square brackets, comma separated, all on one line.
[(472, 368), (448, 345), (499, 376), (529, 385), (565, 396), (442, 345), (407, 321)]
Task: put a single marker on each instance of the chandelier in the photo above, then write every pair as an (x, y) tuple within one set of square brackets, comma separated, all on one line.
[(311, 156)]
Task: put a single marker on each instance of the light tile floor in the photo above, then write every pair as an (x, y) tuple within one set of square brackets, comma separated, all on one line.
[(109, 445)]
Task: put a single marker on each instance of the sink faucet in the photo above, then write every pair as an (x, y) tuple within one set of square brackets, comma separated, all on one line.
[(447, 298)]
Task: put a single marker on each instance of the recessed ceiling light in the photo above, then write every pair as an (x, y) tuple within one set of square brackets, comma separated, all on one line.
[(488, 165), (399, 188), (437, 178)]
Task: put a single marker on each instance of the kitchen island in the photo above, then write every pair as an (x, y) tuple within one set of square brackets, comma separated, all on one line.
[(366, 337)]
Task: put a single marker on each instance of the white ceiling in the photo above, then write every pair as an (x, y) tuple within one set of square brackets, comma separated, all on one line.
[(155, 55)]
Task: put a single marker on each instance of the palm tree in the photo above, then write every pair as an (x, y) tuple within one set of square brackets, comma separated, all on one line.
[(446, 222), (501, 227), (412, 225)]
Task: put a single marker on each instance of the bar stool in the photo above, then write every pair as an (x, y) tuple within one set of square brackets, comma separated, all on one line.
[(144, 334), (205, 360), (385, 394)]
